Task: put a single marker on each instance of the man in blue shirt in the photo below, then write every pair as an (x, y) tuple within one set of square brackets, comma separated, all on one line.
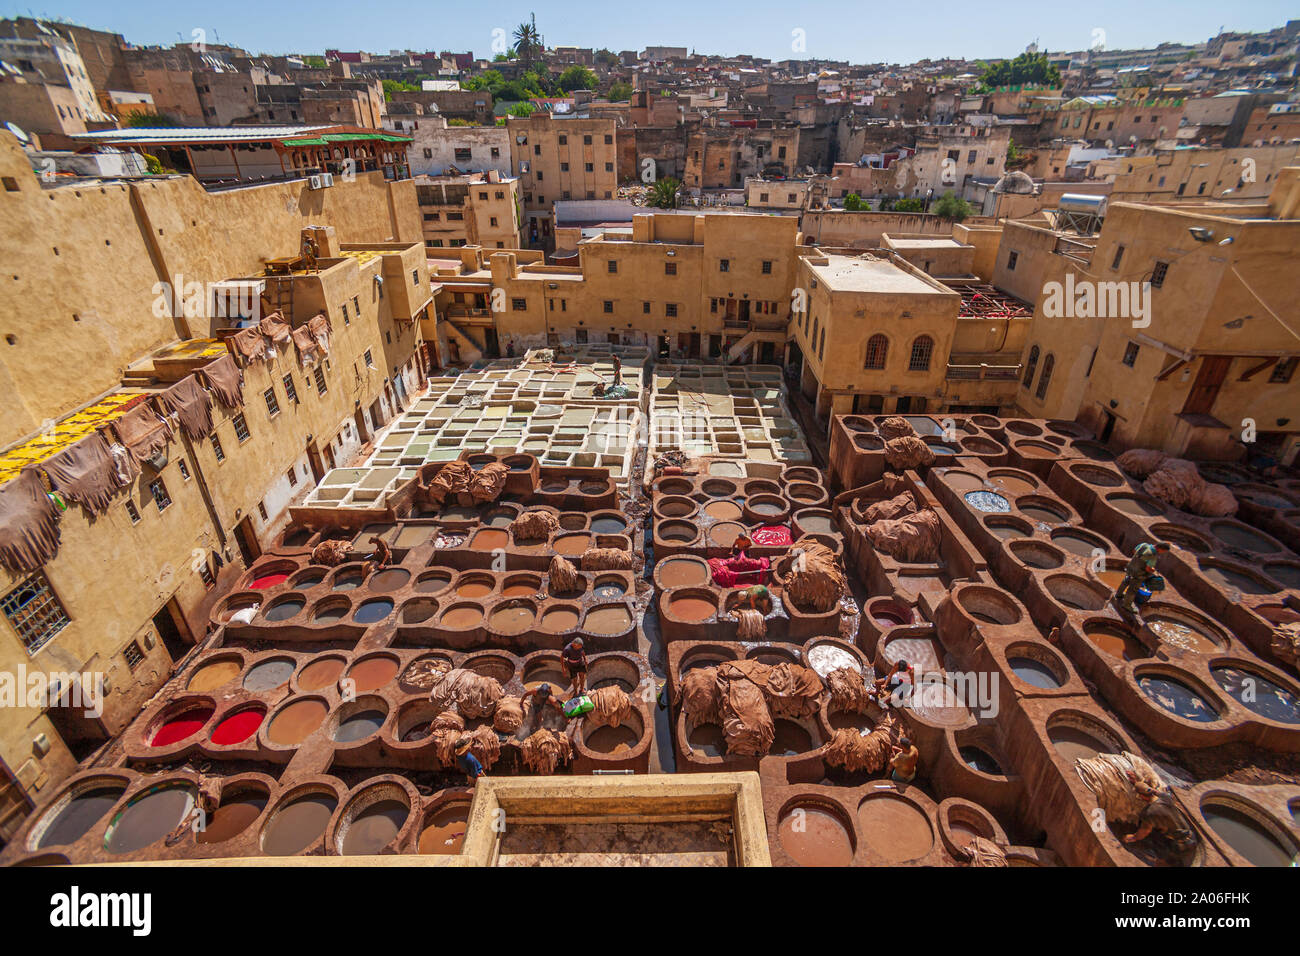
[(468, 762)]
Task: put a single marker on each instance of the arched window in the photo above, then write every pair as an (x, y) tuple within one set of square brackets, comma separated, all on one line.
[(1046, 378), (922, 349), (877, 351), (1030, 366)]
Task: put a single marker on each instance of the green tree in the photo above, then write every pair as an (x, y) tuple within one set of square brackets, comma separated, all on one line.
[(500, 58), (314, 62), (394, 86), (908, 205), (663, 194), (152, 121), (152, 165), (952, 206), (620, 92), (578, 77), (853, 202), (522, 108), (1028, 69), (528, 42), (459, 122)]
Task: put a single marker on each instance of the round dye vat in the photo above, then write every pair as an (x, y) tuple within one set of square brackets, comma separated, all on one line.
[(895, 829), (1097, 476), (239, 726), (765, 507), (1239, 537), (432, 583), (692, 608), (789, 739), (573, 543), (372, 673), (1112, 579), (1033, 672), (462, 617), (1228, 578), (707, 740), (1075, 543), (1135, 506), (1012, 484), (812, 523), (826, 657), (608, 524), (923, 653), (374, 828), (609, 590), (268, 675), (284, 610), (986, 501), (980, 760), (490, 539), (297, 722), (1073, 742), (725, 533), (1287, 574), (214, 675), (329, 613), (1006, 530), (298, 825), (320, 673), (474, 589), (1039, 513), (514, 619), (682, 572), (444, 833), (346, 582), (80, 814), (677, 531), (1246, 835), (815, 837), (371, 612), (559, 620), (1259, 694), (359, 726), (499, 519), (1035, 555), (181, 727), (1181, 634), (389, 579), (963, 481), (148, 818), (1115, 641), (233, 817), (525, 587), (607, 620), (889, 614), (615, 741), (722, 510), (269, 580)]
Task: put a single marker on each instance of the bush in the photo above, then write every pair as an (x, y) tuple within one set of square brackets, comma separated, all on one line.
[(951, 206), (853, 203)]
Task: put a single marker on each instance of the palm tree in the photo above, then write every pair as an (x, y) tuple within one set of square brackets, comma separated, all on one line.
[(663, 194), (527, 41)]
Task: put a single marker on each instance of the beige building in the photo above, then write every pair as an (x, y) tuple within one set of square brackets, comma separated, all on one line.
[(1246, 172), (560, 159), (483, 210)]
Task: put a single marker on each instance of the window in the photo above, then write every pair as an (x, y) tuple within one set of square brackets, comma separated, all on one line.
[(724, 265), (133, 655), (670, 268), (762, 197), (205, 574), (292, 475), (877, 352), (613, 266), (159, 492), (588, 167), (455, 217), (1131, 354), (499, 193), (1119, 254), (1030, 367), (272, 404), (34, 611), (241, 427), (670, 310), (370, 361), (1045, 379), (415, 277), (184, 469), (921, 351), (289, 390), (1011, 261), (581, 336), (133, 512), (346, 320), (261, 511), (519, 305), (1158, 274), (609, 307), (1283, 370), (320, 380), (586, 141), (564, 140), (356, 305), (645, 308), (463, 155), (496, 152), (537, 149), (609, 140), (483, 196), (492, 221), (970, 158), (609, 167), (767, 267)]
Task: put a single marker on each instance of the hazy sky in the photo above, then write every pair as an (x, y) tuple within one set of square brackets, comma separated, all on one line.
[(860, 32)]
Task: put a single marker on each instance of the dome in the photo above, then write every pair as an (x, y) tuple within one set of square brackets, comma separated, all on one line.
[(1015, 182)]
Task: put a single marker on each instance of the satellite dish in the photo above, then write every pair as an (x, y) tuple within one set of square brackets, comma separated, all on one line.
[(22, 137)]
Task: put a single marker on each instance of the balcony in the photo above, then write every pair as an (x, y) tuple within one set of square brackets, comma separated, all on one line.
[(982, 373)]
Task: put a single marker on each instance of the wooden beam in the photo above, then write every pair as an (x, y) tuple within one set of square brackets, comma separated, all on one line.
[(1247, 375), (1170, 370)]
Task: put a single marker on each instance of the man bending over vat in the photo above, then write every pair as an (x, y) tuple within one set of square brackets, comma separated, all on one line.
[(1140, 575), (380, 557), (468, 763), (1161, 813), (903, 760), (542, 698)]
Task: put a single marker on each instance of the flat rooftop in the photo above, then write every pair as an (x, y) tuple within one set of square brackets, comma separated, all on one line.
[(867, 274)]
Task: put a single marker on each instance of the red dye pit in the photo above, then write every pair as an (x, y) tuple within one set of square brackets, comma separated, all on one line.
[(238, 727), (181, 726), (269, 581)]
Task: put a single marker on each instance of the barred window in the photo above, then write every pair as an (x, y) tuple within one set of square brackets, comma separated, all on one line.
[(877, 351), (133, 512), (320, 380), (272, 403), (290, 392), (922, 349), (133, 654), (217, 449), (241, 427), (1030, 367), (34, 611), (160, 496), (1046, 378)]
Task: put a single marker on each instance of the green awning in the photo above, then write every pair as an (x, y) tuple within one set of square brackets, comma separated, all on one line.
[(345, 138)]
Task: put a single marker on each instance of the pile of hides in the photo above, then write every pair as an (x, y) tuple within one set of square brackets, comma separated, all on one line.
[(848, 691), (488, 482), (750, 625), (224, 379), (29, 527), (484, 744), (895, 427), (88, 473), (895, 507), (423, 675), (793, 690), (545, 750), (563, 575), (1106, 775), (331, 553), (452, 478), (305, 343), (854, 751), (142, 431), (814, 581), (251, 346), (982, 852), (610, 705), (191, 405), (746, 720), (473, 695), (533, 526), (509, 715), (908, 451), (277, 332), (912, 538), (445, 732), (701, 696), (1140, 462), (606, 559), (320, 328), (1176, 482), (739, 571), (772, 536), (1286, 642)]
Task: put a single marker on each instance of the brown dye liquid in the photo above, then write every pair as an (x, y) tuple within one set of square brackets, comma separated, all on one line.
[(1074, 544), (1012, 484), (489, 539), (1073, 743), (374, 828), (679, 572), (707, 740), (1116, 643), (462, 617), (789, 739), (473, 590), (389, 580), (692, 608), (559, 620), (412, 536), (296, 722), (814, 837), (298, 825), (608, 620), (722, 510), (725, 533), (1112, 579), (445, 832), (1041, 514), (373, 673), (320, 673), (1241, 538), (1181, 635), (615, 741), (1226, 577), (1133, 506), (519, 590), (962, 833), (849, 720), (232, 818), (767, 508), (963, 481), (895, 829), (1035, 558), (432, 584), (512, 620), (212, 676), (148, 819), (573, 544), (1005, 531)]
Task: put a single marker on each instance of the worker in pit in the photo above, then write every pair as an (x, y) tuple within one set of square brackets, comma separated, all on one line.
[(574, 659), (903, 760), (379, 557), (755, 597), (468, 763), (1141, 573), (542, 698), (1161, 813), (897, 685), (618, 371)]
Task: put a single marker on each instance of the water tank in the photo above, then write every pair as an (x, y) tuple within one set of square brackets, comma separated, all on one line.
[(1078, 202)]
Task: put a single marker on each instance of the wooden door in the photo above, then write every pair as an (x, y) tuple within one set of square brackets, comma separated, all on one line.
[(1205, 390)]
